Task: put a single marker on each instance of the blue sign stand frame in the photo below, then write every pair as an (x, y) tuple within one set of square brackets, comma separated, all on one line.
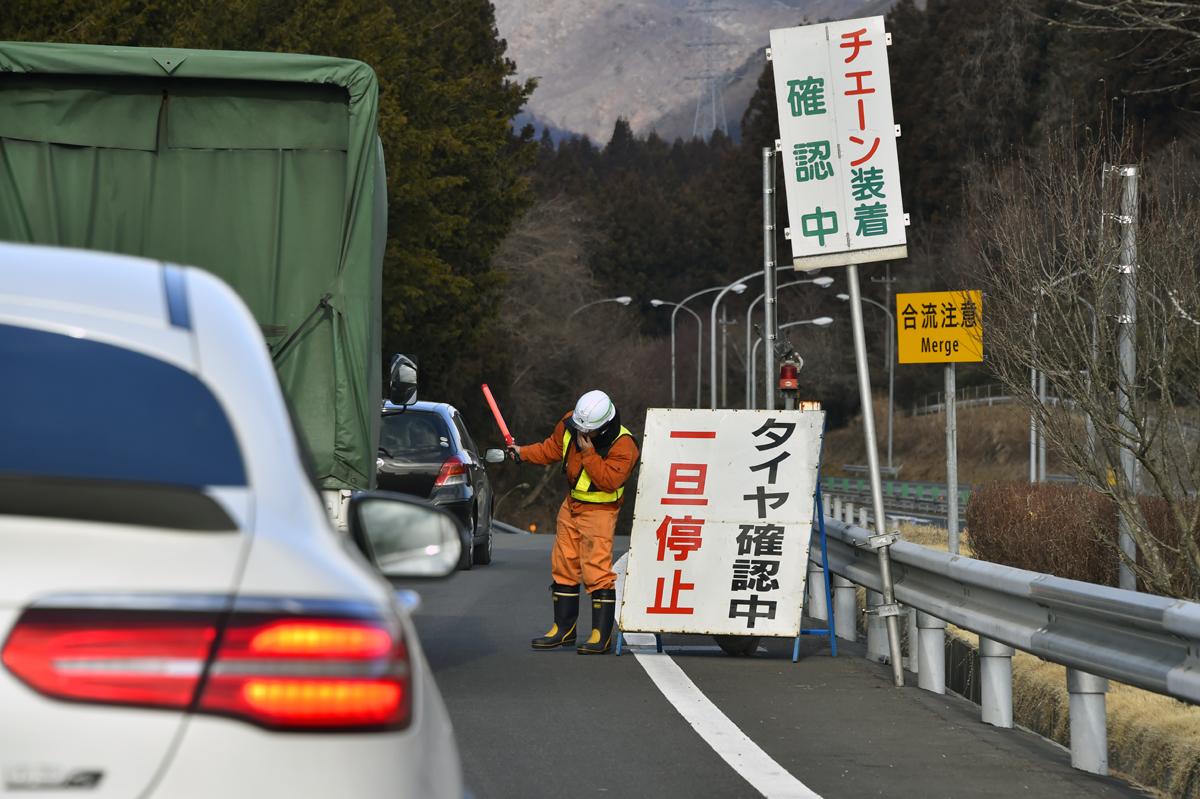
[(828, 630)]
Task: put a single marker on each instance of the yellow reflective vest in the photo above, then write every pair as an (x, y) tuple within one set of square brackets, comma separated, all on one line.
[(581, 490)]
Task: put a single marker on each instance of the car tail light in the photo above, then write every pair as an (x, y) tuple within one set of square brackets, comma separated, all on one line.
[(310, 673), (453, 472), (138, 658), (279, 672)]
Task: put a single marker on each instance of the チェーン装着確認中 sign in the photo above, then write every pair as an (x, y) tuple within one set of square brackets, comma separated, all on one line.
[(723, 520), (838, 143)]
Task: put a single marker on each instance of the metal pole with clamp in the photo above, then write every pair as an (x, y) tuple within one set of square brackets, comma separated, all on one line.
[(881, 540)]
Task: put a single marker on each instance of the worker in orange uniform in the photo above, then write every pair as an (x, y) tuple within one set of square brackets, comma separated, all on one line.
[(597, 455)]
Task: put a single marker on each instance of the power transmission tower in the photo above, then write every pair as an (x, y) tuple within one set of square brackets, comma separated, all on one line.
[(710, 104)]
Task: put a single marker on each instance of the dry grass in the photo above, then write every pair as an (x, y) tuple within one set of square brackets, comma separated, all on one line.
[(927, 535), (1152, 740), (993, 444)]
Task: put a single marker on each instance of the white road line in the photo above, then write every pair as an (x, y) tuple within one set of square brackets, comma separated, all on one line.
[(731, 744)]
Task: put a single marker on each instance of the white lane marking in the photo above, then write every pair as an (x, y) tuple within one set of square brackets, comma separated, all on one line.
[(731, 744)]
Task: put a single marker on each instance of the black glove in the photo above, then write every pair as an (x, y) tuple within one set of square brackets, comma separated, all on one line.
[(514, 452)]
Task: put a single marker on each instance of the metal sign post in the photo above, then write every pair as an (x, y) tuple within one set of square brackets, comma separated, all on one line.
[(943, 327), (842, 176), (770, 284), (882, 540), (951, 460)]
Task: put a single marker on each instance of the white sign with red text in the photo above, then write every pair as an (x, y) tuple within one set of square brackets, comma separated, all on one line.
[(722, 522), (838, 140)]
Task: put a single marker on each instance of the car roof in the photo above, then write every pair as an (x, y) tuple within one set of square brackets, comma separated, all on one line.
[(98, 284), (443, 408)]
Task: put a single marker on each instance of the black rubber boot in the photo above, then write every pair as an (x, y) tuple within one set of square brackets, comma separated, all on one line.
[(604, 611), (566, 616)]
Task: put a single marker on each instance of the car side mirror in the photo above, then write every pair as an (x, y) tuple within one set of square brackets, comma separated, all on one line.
[(405, 536), (494, 456), (402, 380)]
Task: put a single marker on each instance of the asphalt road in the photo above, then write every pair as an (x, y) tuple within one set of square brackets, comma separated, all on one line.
[(555, 724)]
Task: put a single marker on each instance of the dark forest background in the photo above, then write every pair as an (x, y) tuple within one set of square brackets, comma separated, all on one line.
[(496, 236)]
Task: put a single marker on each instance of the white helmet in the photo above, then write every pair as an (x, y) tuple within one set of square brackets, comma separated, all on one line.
[(593, 411)]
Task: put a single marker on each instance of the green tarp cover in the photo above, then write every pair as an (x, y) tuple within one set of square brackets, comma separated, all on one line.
[(262, 168)]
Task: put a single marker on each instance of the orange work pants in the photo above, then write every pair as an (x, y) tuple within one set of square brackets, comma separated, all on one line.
[(583, 545)]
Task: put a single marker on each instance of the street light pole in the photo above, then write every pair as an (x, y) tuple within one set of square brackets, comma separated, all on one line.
[(891, 354), (724, 356), (1095, 355), (617, 300), (1037, 388), (699, 335), (823, 282), (1033, 420), (1041, 450), (682, 304), (712, 350)]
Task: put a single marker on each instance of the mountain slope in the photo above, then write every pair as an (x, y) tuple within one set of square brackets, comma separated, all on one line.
[(640, 59)]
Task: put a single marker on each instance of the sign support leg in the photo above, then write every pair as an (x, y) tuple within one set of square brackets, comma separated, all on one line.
[(621, 640), (868, 417), (828, 629), (828, 577)]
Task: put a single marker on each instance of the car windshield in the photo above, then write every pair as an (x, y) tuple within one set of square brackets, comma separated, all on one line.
[(413, 434), (78, 409)]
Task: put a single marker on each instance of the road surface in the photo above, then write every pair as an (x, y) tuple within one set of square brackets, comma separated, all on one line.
[(557, 724)]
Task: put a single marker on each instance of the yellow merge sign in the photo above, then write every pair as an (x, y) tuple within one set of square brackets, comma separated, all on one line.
[(939, 326)]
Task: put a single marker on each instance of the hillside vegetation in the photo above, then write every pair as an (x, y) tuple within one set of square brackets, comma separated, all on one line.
[(993, 444)]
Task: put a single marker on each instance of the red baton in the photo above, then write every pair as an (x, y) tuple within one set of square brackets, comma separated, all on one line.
[(487, 394)]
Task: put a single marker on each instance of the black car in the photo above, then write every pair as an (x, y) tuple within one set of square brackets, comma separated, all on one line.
[(425, 450)]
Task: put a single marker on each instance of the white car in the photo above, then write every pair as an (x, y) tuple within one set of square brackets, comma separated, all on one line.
[(177, 616)]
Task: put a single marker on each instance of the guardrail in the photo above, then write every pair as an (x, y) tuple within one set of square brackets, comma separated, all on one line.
[(972, 396), (901, 498), (501, 527), (1098, 633), (989, 394), (924, 499)]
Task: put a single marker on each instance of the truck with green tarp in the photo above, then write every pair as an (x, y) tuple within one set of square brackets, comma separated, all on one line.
[(263, 168)]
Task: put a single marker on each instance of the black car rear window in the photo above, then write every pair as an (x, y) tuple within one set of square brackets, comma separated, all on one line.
[(80, 409), (413, 434)]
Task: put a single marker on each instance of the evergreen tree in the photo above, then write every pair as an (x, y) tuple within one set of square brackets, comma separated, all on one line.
[(455, 169)]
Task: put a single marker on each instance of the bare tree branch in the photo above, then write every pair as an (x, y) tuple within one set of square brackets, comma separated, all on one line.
[(1044, 232), (1176, 24)]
